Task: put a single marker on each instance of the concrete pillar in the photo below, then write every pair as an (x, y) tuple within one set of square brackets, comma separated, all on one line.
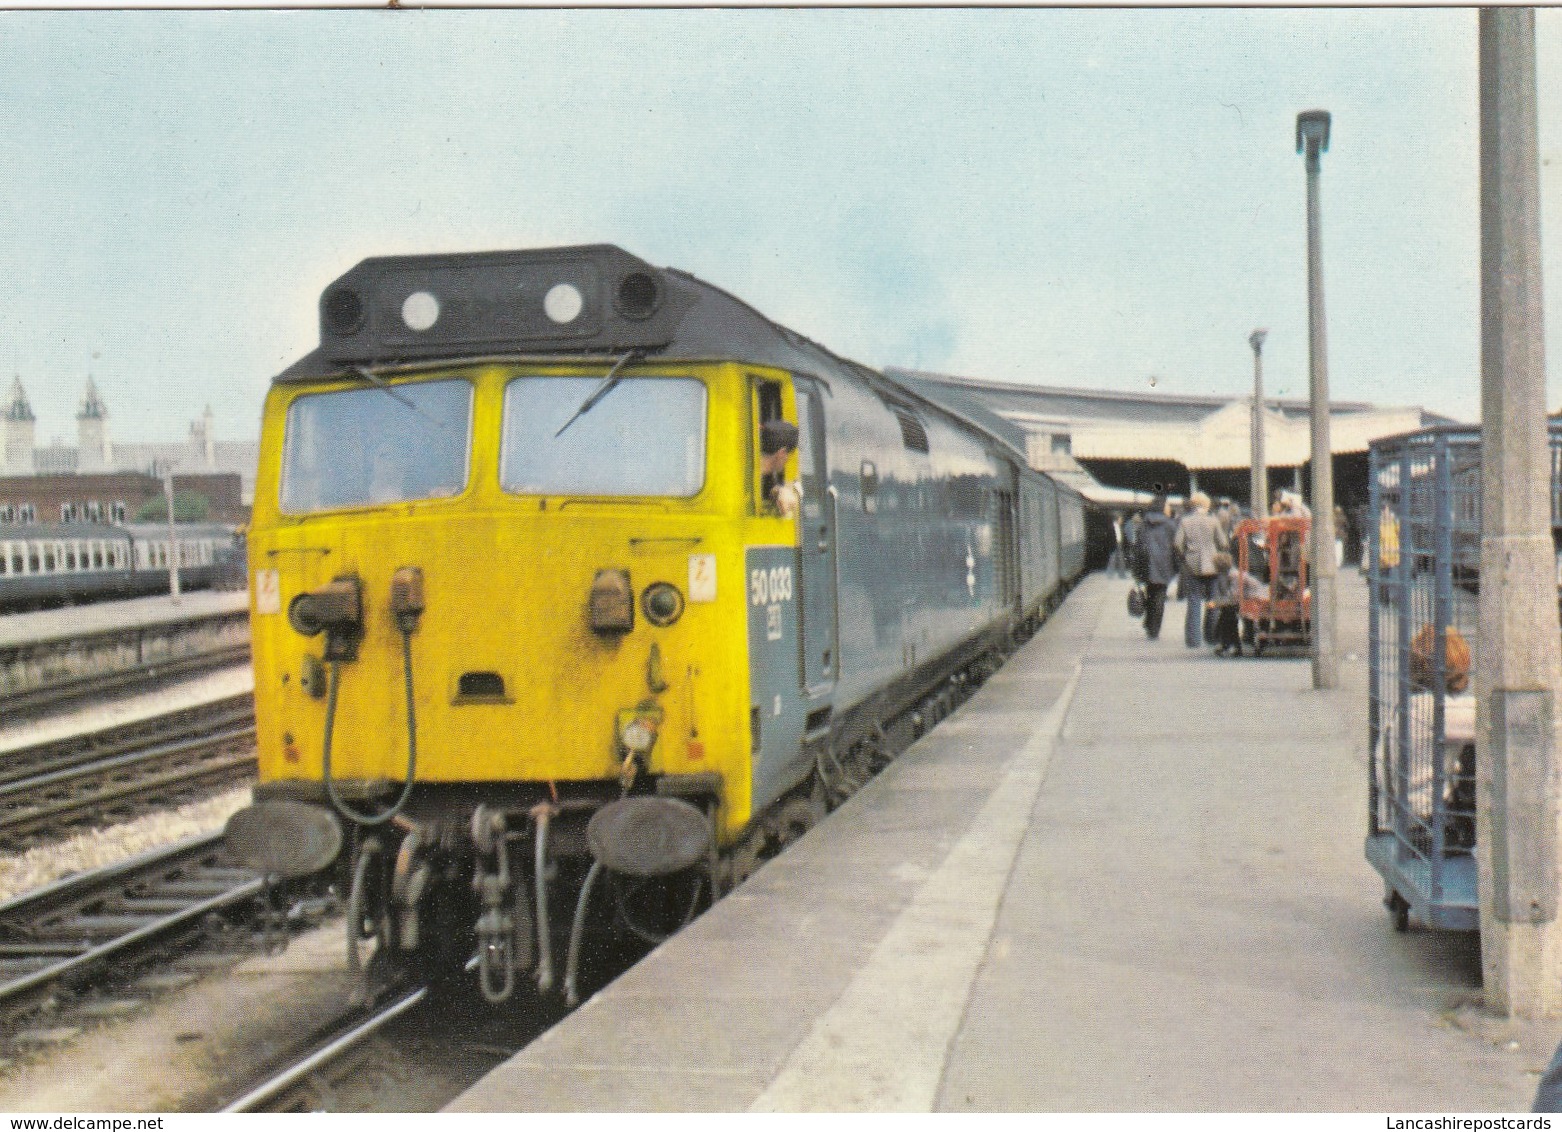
[(1519, 654)]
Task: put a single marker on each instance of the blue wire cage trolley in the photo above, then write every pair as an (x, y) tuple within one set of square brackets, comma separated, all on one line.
[(1424, 545)]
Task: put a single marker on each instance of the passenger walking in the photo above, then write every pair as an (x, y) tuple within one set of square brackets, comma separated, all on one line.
[(1115, 565), (1199, 538), (1154, 562)]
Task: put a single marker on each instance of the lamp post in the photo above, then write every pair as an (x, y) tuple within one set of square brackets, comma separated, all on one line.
[(1312, 139), (1258, 488), (173, 541)]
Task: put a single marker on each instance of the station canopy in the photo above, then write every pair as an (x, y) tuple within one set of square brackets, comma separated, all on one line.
[(1201, 433)]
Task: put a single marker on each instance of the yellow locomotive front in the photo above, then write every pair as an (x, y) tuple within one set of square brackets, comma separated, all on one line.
[(499, 607)]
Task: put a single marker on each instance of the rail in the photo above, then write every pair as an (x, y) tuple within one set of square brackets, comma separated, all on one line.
[(76, 924), (344, 1038), (50, 797)]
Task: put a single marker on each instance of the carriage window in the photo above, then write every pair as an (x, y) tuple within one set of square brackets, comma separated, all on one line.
[(70, 556), (97, 554), (7, 513), (27, 513), (645, 436), (363, 447), (48, 558), (32, 559), (94, 512), (117, 512), (67, 512)]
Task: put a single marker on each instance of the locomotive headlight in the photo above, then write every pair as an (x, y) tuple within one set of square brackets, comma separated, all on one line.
[(662, 603), (638, 736)]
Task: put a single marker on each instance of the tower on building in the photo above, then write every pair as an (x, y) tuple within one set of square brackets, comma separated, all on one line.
[(203, 445), (95, 450), (20, 431)]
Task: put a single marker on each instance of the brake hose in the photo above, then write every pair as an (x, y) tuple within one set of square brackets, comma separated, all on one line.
[(412, 742)]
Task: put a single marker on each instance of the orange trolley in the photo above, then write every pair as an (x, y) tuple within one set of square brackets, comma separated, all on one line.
[(1275, 599)]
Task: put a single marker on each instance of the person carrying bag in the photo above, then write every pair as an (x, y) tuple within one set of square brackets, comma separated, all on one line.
[(1153, 565)]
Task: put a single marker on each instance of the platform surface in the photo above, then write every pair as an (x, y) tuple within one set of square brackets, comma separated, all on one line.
[(1126, 876), (107, 616)]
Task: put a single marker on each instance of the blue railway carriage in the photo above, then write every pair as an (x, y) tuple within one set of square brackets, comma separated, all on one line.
[(528, 616), (55, 564)]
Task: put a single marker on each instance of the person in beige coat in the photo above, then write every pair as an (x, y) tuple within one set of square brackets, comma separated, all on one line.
[(1199, 538)]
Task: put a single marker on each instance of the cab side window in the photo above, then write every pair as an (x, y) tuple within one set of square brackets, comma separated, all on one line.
[(767, 407)]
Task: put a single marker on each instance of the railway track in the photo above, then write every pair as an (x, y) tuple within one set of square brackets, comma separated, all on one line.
[(61, 694), (53, 784), (293, 1088), (68, 932)]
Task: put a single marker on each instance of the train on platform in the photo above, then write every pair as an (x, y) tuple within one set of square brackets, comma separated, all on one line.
[(539, 652), (52, 565)]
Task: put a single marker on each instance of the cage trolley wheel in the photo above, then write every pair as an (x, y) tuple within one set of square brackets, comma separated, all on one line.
[(1398, 911)]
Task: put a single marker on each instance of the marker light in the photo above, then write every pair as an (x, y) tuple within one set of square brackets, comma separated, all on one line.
[(662, 603), (420, 311), (563, 303)]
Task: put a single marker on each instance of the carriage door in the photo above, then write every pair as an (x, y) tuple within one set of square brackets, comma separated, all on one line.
[(816, 548), (1008, 565)]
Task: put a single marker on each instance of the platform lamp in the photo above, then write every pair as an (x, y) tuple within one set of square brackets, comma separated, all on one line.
[(1312, 140), (165, 469), (1258, 488)]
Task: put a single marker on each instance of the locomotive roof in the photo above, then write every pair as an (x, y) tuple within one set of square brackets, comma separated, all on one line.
[(591, 301)]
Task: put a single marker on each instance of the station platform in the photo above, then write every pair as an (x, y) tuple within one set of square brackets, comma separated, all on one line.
[(1125, 876), (110, 616)]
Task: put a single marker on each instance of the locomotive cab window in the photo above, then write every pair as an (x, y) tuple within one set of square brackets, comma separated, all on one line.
[(776, 490), (638, 436), (366, 447)]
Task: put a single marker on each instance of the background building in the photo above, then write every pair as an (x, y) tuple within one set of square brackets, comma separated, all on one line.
[(99, 479)]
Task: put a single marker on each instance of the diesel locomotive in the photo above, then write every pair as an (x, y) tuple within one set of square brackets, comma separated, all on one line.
[(536, 655)]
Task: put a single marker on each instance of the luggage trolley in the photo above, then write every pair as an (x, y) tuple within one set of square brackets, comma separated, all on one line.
[(1424, 546), (1275, 602)]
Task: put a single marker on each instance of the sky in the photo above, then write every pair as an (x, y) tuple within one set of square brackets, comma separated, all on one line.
[(1101, 198)]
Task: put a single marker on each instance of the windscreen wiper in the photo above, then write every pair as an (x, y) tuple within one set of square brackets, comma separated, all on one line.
[(380, 383), (601, 391)]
